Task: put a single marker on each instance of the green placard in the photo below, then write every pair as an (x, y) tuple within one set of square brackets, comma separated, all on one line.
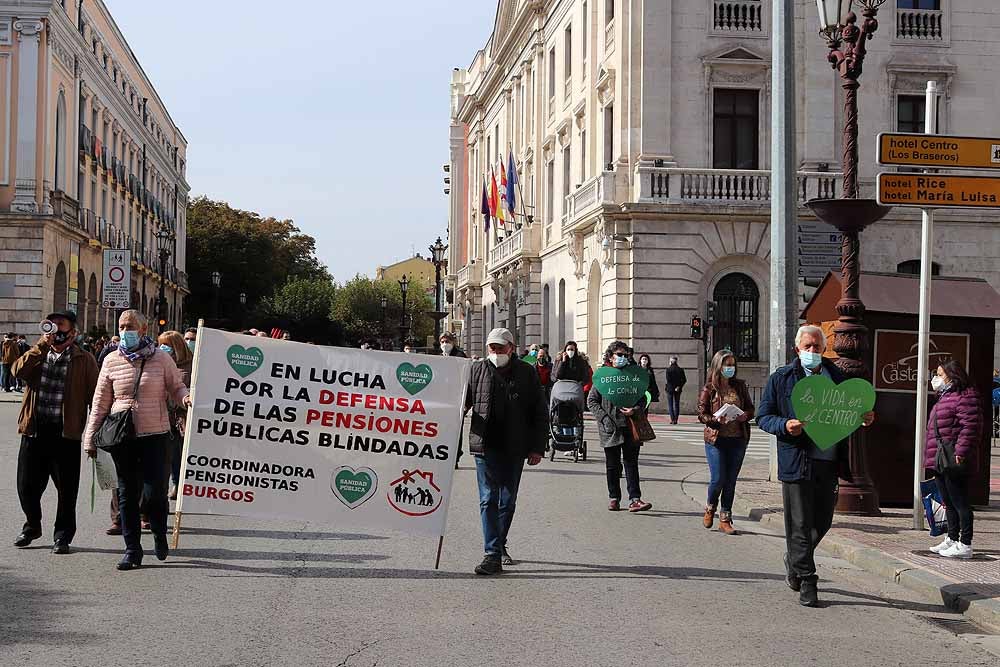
[(831, 412), (624, 387), (244, 360), (414, 378)]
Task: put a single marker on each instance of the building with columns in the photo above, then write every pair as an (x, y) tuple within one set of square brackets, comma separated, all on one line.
[(641, 136), (89, 160)]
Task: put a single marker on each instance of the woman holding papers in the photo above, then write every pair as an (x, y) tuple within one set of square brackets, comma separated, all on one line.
[(725, 408)]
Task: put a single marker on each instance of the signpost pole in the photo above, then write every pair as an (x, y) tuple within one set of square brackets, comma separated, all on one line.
[(924, 325)]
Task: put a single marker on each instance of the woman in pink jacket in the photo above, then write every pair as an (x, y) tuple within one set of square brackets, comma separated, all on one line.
[(140, 462)]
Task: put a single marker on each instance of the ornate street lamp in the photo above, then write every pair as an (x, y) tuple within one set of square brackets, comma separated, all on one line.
[(243, 309), (437, 256), (216, 282), (404, 286), (164, 241), (850, 215)]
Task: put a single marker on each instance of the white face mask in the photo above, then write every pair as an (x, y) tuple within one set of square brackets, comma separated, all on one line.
[(937, 383), (499, 360), (447, 348), (570, 353)]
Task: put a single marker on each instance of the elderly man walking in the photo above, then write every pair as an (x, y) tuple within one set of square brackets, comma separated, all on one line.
[(509, 425), (808, 474)]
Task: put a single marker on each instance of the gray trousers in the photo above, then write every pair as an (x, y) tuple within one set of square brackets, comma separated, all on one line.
[(809, 506)]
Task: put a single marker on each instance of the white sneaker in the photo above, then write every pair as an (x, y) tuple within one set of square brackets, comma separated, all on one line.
[(944, 546), (568, 454), (958, 550)]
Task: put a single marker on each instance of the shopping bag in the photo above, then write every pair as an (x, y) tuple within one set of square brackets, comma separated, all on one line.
[(104, 470), (934, 510)]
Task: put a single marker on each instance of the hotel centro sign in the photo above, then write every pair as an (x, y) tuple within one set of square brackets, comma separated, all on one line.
[(938, 150), (895, 367), (934, 191)]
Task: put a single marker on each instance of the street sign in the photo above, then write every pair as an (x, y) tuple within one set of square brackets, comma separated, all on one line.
[(819, 249), (815, 271), (116, 290), (938, 191), (937, 150)]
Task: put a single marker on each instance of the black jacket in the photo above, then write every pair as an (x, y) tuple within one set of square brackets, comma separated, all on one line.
[(525, 430), (654, 387), (458, 352), (574, 368), (675, 377)]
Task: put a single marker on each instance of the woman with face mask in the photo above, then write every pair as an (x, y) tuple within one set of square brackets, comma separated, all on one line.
[(572, 365), (616, 436), (955, 419), (726, 440), (173, 344), (654, 387), (140, 460)]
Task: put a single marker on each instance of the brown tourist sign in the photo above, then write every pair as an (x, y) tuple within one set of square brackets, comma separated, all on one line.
[(938, 150), (895, 367), (938, 191)]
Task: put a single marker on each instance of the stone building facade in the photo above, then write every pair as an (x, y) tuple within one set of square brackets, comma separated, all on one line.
[(89, 160), (641, 136)]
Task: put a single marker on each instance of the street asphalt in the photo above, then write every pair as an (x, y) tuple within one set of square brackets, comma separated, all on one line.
[(593, 588)]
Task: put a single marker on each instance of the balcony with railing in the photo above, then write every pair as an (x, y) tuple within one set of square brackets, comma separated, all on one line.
[(923, 25), (469, 275), (592, 194), (727, 186), (742, 17), (524, 242)]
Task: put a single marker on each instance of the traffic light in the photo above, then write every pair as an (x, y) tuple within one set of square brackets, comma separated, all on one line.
[(162, 322), (710, 319), (696, 329)]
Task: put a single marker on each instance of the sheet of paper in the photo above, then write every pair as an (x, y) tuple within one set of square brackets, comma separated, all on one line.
[(729, 411)]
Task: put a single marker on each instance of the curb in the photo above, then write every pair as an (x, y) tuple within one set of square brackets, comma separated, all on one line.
[(933, 587)]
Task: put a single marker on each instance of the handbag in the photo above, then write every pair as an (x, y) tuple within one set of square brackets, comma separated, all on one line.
[(642, 430), (934, 511), (944, 459), (119, 427)]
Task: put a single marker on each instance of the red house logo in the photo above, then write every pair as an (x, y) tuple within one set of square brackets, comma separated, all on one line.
[(415, 493)]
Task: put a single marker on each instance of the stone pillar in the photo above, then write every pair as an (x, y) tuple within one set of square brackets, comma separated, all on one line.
[(28, 37), (531, 309)]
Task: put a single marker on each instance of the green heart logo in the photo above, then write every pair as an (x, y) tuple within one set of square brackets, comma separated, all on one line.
[(622, 386), (414, 378), (831, 412), (245, 360), (353, 487)]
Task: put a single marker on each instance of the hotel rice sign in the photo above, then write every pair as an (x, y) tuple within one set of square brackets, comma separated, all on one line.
[(938, 150), (895, 355), (938, 191)]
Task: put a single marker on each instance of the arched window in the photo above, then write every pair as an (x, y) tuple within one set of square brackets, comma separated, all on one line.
[(60, 179), (737, 302), (912, 267), (562, 313), (546, 312), (60, 288)]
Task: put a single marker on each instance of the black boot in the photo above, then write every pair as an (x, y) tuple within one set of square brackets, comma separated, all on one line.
[(160, 547), (791, 578), (808, 595), (490, 566)]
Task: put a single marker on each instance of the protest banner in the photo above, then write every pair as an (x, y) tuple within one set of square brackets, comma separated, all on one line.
[(831, 412), (285, 430)]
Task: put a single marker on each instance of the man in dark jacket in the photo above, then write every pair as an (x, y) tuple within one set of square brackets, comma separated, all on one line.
[(808, 474), (676, 379), (449, 346), (60, 378), (509, 425)]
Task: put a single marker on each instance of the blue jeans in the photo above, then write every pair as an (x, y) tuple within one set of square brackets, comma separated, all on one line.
[(6, 377), (673, 403), (499, 477), (725, 458)]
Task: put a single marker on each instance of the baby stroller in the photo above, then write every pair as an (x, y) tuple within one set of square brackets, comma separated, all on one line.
[(566, 420)]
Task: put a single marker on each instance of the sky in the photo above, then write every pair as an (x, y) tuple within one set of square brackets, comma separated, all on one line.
[(331, 113)]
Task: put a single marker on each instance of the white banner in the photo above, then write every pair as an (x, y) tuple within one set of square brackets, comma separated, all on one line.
[(343, 436)]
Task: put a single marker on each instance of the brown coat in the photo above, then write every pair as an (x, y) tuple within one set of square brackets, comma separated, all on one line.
[(10, 351), (81, 378), (710, 401)]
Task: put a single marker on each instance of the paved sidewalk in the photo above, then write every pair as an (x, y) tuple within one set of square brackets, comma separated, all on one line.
[(889, 546)]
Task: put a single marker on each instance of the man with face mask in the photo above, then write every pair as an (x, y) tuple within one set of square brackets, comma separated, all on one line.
[(808, 474), (449, 346), (509, 425), (59, 379)]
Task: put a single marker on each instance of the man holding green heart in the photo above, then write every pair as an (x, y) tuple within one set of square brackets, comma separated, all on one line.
[(808, 472)]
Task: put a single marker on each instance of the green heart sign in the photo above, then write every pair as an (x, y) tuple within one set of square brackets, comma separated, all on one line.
[(353, 487), (245, 360), (622, 386), (831, 412), (414, 378), (530, 359)]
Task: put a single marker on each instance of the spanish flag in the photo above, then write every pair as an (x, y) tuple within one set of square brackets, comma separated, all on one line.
[(502, 213), (494, 196)]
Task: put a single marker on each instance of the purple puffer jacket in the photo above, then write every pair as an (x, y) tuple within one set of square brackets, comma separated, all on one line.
[(959, 420)]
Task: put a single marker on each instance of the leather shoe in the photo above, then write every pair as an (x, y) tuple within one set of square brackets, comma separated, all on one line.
[(160, 547), (60, 547), (115, 529), (24, 539), (791, 579), (129, 562), (808, 595)]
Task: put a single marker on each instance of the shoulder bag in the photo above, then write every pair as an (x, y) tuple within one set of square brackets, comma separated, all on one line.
[(119, 427), (944, 458), (642, 430)]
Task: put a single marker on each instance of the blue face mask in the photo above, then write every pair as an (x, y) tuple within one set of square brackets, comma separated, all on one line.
[(190, 344), (166, 348), (621, 361), (130, 340), (728, 371), (810, 360)]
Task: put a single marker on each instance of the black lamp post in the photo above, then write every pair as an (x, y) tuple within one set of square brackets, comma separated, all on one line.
[(384, 302), (164, 241), (437, 256), (850, 215), (243, 309), (216, 282), (404, 330)]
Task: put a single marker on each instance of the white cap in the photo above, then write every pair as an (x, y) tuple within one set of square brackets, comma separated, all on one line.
[(500, 336)]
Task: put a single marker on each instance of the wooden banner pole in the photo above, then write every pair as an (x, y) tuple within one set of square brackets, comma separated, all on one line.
[(176, 537)]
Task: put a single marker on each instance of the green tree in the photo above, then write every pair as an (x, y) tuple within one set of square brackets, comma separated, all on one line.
[(302, 307), (358, 308), (253, 254)]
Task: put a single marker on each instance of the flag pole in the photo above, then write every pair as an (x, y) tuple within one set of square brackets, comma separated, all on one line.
[(520, 192), (179, 508)]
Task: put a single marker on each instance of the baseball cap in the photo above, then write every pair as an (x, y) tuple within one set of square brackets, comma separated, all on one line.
[(66, 314), (500, 336)]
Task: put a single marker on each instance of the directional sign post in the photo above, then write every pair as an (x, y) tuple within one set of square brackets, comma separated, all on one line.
[(819, 249), (938, 191), (942, 151), (116, 291)]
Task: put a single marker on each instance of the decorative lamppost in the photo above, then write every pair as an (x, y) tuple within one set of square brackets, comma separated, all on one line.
[(404, 330), (437, 256), (850, 215), (384, 302), (243, 309), (216, 282), (164, 241)]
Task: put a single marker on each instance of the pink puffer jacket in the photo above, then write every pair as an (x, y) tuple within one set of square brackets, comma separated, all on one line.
[(161, 380)]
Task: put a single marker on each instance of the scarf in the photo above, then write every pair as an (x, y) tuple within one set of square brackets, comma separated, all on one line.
[(146, 348)]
